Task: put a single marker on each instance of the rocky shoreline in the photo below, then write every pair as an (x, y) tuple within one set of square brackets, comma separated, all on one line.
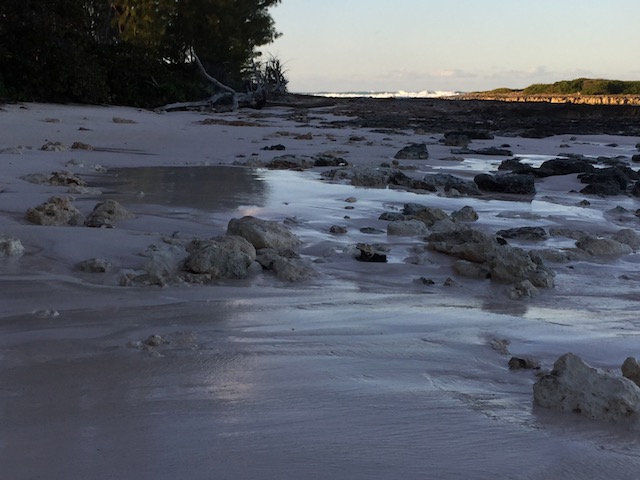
[(576, 99), (529, 119)]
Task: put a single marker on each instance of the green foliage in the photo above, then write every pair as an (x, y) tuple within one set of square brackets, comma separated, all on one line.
[(502, 91), (271, 76), (585, 86), (133, 52)]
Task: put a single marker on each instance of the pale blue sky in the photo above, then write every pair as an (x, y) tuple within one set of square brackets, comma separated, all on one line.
[(414, 45)]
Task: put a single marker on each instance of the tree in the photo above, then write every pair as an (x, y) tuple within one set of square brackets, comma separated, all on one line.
[(224, 33), (127, 51), (48, 51)]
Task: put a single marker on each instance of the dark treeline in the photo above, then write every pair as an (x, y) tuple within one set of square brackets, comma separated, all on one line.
[(127, 52)]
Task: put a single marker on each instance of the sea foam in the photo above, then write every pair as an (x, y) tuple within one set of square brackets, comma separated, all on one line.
[(384, 94)]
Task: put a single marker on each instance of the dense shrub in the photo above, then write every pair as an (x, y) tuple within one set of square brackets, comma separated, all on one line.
[(585, 86)]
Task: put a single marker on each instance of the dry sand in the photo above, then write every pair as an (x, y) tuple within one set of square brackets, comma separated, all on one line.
[(358, 372)]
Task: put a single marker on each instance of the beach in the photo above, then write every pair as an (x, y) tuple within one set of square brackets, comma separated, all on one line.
[(334, 367)]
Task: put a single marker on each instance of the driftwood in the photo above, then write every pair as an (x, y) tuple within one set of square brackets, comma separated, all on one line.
[(227, 97)]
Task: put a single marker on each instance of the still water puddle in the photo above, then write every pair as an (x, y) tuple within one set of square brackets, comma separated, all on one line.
[(202, 188)]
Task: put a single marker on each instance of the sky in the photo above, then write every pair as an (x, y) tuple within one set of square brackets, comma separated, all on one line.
[(453, 45)]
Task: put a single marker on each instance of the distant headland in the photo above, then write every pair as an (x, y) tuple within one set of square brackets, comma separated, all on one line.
[(579, 91)]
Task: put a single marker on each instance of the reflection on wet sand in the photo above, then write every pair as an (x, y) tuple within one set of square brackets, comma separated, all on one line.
[(204, 188)]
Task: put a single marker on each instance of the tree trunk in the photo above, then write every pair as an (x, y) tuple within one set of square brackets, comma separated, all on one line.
[(253, 99)]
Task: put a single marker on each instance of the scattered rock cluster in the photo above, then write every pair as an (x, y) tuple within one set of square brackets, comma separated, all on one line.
[(615, 179), (250, 246), (59, 211)]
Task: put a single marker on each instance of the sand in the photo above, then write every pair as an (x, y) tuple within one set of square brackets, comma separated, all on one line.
[(358, 372)]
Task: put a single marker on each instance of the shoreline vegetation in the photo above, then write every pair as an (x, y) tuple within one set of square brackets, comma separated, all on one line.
[(584, 91)]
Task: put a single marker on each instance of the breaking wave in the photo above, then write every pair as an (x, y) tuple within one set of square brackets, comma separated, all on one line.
[(397, 94)]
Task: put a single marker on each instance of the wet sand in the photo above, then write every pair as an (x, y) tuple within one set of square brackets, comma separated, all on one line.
[(358, 372)]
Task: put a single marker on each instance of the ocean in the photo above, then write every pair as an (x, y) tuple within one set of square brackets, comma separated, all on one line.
[(385, 94)]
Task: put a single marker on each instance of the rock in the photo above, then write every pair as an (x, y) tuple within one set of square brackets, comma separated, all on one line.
[(426, 214), (574, 386), (370, 253), (351, 199), (10, 247), (290, 162), (490, 151), (371, 231), (263, 233), (493, 151), (564, 166), (415, 151), (338, 230), (513, 265), (396, 177), (515, 165), (456, 139), (392, 216), (523, 289), (602, 246), (506, 183), (472, 134), (525, 233), (369, 176), (229, 257), (123, 120), (631, 370), (635, 159), (329, 160), (556, 255), (450, 182), (288, 267), (56, 211), (629, 237), (464, 243), (407, 228), (450, 282), (517, 363), (94, 265), (468, 269), (81, 146), (154, 341), (500, 345), (66, 179), (105, 213), (163, 264), (274, 147), (465, 214), (53, 147), (606, 181)]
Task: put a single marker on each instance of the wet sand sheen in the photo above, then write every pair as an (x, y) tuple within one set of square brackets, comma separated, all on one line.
[(359, 373)]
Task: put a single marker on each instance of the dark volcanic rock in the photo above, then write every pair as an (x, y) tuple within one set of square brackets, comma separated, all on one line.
[(492, 151), (448, 181), (396, 177), (534, 120), (507, 183), (329, 160), (608, 181), (369, 253), (564, 166), (456, 139), (415, 151), (526, 233), (515, 165)]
